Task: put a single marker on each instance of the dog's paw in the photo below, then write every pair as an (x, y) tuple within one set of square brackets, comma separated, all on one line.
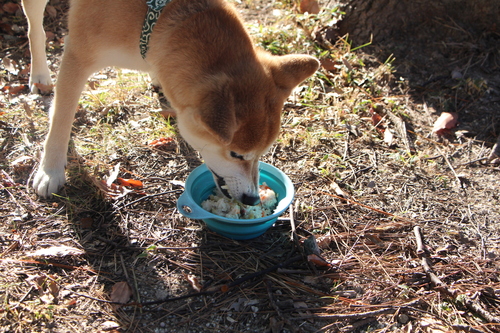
[(47, 182), (41, 83)]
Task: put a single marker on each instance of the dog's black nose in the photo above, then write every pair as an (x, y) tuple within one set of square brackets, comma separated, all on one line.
[(250, 200)]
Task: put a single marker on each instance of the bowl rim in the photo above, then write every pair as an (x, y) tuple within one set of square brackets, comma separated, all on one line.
[(201, 169)]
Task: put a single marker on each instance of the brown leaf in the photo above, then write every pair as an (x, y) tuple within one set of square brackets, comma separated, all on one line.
[(44, 88), (129, 182), (37, 281), (10, 7), (10, 65), (15, 90), (377, 121), (309, 6), (445, 122), (51, 11), (53, 288), (318, 261), (121, 292), (328, 64), (27, 109), (161, 142)]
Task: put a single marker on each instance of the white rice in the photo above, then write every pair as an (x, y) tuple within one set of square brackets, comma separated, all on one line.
[(221, 205)]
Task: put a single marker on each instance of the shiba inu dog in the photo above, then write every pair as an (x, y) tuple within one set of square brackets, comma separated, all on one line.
[(228, 95)]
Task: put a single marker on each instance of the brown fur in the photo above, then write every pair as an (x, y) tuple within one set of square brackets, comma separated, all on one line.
[(227, 94)]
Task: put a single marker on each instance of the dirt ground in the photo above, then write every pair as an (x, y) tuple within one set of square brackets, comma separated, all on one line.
[(408, 229)]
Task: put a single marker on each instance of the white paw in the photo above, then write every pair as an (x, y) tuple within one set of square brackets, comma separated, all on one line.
[(43, 78), (48, 181)]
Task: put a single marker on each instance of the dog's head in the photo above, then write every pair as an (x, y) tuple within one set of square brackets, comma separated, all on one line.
[(238, 116)]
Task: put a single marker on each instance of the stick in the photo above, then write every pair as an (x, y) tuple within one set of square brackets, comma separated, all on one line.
[(418, 237), (426, 264)]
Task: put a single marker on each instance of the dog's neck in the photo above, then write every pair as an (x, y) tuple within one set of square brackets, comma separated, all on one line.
[(155, 8)]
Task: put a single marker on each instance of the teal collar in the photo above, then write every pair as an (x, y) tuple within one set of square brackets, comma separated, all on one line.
[(154, 10)]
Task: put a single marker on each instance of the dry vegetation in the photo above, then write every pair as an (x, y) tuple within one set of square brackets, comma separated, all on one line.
[(408, 228)]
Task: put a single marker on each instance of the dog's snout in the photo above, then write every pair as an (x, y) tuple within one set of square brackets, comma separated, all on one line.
[(250, 200)]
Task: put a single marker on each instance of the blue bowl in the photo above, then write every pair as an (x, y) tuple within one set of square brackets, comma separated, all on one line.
[(200, 185)]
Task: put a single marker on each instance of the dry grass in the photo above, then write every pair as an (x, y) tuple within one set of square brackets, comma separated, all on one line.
[(360, 197)]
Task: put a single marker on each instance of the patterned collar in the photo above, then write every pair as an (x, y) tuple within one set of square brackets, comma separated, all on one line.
[(154, 10)]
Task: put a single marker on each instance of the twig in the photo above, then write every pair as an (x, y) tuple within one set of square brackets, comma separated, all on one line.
[(473, 161), (420, 243), (477, 309), (362, 315), (350, 316), (147, 197), (467, 301), (23, 298), (450, 166), (426, 264), (466, 328), (52, 264)]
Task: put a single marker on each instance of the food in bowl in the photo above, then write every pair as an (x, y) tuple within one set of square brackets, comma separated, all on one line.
[(221, 205)]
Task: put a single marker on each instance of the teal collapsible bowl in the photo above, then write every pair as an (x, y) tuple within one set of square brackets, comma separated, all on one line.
[(200, 184)]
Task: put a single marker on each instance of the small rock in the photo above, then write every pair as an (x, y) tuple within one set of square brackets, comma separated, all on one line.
[(403, 318)]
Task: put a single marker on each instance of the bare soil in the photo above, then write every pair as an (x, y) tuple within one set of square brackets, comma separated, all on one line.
[(364, 202)]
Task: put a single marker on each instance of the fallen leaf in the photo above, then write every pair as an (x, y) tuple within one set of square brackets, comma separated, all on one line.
[(318, 261), (338, 190), (37, 281), (22, 163), (377, 121), (129, 182), (161, 142), (445, 122), (15, 90), (44, 88), (112, 175), (328, 64), (27, 109), (10, 65), (10, 7), (121, 292), (93, 84), (388, 137), (51, 11), (49, 36), (309, 6), (114, 191), (193, 281), (56, 251), (53, 288)]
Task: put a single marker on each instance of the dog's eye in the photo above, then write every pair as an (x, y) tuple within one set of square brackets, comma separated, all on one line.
[(236, 155)]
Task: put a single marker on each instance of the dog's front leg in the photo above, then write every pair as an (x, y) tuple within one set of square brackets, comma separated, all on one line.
[(75, 69), (39, 73)]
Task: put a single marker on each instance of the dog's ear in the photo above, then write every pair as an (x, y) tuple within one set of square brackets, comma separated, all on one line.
[(290, 70), (218, 114)]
